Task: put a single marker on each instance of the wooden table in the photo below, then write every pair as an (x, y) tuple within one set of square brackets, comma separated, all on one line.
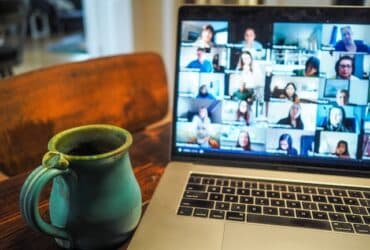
[(149, 155)]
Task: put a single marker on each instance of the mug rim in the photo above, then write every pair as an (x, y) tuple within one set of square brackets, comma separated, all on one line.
[(122, 148)]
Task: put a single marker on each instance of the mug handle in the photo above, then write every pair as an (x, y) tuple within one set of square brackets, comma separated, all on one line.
[(53, 164)]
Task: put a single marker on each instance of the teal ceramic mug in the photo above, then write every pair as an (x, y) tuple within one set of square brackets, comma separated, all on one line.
[(95, 200)]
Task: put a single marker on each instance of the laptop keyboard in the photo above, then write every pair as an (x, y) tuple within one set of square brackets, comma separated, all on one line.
[(337, 208)]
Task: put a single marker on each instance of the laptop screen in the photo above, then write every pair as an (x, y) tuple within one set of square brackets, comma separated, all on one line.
[(282, 84)]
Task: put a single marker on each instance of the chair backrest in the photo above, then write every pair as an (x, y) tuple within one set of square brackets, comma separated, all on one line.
[(125, 90)]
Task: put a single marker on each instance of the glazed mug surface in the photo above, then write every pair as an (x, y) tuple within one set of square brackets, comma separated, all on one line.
[(95, 200)]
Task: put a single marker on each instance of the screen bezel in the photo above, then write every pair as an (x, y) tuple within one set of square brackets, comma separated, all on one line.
[(359, 15)]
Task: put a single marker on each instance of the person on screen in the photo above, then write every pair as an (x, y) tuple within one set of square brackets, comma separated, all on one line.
[(200, 63), (205, 40), (201, 123), (286, 145), (243, 93), (290, 92), (204, 94), (294, 117), (344, 68), (348, 44), (243, 112), (216, 64), (335, 121), (312, 68), (342, 97), (244, 141), (342, 149), (252, 76), (250, 44)]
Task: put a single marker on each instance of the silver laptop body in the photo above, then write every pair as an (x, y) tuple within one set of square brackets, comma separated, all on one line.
[(271, 132)]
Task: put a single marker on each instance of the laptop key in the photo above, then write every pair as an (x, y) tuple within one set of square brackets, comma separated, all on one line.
[(319, 198), (222, 205), (258, 193), (217, 214), (341, 208), (342, 227), (216, 197), (195, 195), (335, 200), (288, 196), (364, 202), (254, 209), (262, 201), (326, 207), (243, 191), (231, 198), (197, 203), (355, 194), (201, 212), (324, 191), (214, 189), (303, 214), (246, 200), (339, 192), (320, 215), (293, 204), (270, 210), (366, 219), (235, 216), (277, 203), (353, 218), (362, 229), (367, 195), (187, 211), (196, 187), (288, 221), (303, 197), (337, 217), (238, 207), (358, 210), (286, 212), (309, 190), (228, 190), (351, 201), (273, 194), (309, 205)]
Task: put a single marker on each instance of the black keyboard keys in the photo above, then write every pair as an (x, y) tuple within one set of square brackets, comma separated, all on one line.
[(342, 227)]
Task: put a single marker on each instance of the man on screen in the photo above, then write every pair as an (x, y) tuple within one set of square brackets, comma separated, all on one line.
[(200, 63), (348, 43), (344, 68)]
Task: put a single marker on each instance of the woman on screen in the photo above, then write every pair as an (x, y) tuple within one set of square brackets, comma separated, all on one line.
[(342, 149), (290, 92), (286, 145), (244, 140), (294, 117), (250, 74), (205, 40), (335, 120), (243, 112)]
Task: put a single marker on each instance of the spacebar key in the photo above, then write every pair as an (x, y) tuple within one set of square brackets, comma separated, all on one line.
[(286, 221)]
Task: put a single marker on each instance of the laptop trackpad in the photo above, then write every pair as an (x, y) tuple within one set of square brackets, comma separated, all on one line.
[(242, 236)]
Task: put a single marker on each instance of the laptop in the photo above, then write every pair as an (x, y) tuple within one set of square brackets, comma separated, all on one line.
[(270, 146)]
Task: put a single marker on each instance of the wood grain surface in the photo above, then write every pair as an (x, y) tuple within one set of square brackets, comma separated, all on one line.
[(129, 91), (149, 154)]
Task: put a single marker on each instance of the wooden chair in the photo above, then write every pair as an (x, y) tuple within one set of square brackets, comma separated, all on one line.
[(125, 90)]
